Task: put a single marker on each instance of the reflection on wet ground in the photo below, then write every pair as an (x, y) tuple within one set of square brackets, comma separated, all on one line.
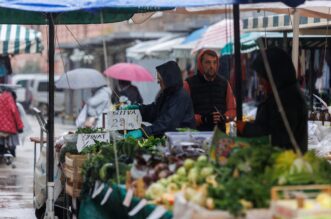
[(16, 197), (16, 185)]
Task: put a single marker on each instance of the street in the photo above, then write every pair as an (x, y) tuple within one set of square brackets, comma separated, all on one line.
[(16, 185)]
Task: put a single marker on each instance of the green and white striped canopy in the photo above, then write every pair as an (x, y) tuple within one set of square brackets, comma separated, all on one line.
[(281, 23), (17, 39)]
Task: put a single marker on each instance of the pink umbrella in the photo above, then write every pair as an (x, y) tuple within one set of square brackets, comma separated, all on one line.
[(128, 72)]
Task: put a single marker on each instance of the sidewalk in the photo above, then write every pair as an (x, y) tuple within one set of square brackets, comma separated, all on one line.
[(16, 185)]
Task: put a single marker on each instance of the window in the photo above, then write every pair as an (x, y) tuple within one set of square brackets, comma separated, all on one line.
[(43, 86), (23, 83)]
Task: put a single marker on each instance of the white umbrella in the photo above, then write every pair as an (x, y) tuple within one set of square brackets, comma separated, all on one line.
[(81, 78)]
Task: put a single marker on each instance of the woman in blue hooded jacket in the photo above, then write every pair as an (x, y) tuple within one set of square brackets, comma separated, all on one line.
[(172, 108)]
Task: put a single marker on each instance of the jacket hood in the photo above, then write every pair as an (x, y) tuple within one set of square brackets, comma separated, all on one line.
[(281, 66), (199, 59), (171, 74)]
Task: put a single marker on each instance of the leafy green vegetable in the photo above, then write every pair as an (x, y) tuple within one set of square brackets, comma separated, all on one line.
[(89, 130), (68, 148)]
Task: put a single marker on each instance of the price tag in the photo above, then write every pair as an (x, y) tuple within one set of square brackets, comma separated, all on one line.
[(157, 213), (128, 198), (85, 140), (138, 207), (106, 197), (124, 120), (98, 191)]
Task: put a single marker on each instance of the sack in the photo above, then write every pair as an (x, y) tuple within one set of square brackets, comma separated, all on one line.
[(90, 122), (80, 121)]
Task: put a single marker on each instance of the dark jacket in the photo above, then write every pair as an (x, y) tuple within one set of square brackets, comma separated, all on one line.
[(131, 92), (268, 119), (207, 96), (173, 107), (269, 122)]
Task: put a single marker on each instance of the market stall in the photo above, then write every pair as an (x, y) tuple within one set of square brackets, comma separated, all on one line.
[(192, 175), (23, 11)]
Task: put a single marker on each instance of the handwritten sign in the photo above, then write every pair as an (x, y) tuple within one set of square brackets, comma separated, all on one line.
[(84, 140), (124, 120)]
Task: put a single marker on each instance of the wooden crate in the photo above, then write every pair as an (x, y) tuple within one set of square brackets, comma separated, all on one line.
[(73, 189), (73, 174), (285, 206), (74, 160), (72, 171)]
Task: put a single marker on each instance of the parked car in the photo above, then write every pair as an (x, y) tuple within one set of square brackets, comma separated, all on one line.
[(23, 80), (38, 89)]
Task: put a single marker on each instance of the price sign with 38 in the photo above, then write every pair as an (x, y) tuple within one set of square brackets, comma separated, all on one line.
[(124, 120)]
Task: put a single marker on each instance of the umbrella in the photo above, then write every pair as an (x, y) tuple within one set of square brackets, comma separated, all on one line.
[(81, 78), (128, 72), (216, 35)]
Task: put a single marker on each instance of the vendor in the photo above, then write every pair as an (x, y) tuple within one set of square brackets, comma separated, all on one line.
[(172, 108), (268, 118)]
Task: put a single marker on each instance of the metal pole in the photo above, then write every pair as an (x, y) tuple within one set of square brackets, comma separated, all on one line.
[(236, 30), (50, 123), (49, 213), (295, 46), (311, 75)]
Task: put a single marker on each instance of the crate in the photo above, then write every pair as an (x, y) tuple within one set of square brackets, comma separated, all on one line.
[(287, 202), (74, 160), (72, 171), (73, 189)]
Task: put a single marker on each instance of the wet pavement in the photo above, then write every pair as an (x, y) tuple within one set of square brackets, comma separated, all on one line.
[(16, 185)]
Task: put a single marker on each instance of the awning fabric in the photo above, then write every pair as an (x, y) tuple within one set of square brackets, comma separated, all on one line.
[(99, 11), (280, 23), (272, 39), (160, 48), (320, 9), (16, 39)]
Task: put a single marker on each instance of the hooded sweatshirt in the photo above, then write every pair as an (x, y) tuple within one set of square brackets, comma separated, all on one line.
[(173, 107), (210, 96), (268, 119)]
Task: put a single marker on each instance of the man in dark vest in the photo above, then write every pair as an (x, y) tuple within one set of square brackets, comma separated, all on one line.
[(212, 96)]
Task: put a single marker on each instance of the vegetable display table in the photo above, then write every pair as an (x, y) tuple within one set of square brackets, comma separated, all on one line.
[(114, 208)]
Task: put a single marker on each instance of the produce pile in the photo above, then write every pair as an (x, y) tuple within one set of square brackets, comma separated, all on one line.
[(241, 182)]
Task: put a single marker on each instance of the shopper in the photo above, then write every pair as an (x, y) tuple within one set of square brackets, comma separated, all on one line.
[(268, 119), (211, 94), (95, 106), (173, 106)]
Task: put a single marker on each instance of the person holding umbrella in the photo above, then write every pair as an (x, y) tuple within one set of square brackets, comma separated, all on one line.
[(125, 73), (99, 102), (126, 89), (172, 108)]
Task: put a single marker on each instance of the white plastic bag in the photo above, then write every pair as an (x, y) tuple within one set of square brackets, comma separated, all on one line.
[(40, 180)]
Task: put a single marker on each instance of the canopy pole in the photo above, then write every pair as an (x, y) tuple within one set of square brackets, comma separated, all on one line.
[(236, 30), (295, 46), (49, 213), (51, 86)]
